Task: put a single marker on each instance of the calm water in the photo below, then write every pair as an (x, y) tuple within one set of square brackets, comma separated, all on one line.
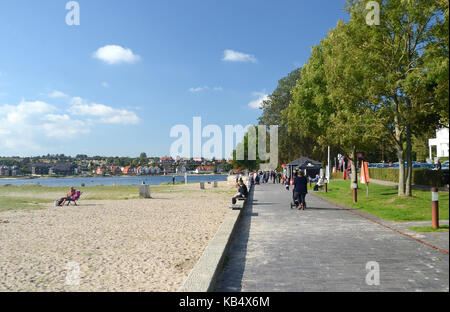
[(107, 181)]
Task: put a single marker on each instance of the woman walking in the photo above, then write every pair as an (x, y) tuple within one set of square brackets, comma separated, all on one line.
[(300, 189)]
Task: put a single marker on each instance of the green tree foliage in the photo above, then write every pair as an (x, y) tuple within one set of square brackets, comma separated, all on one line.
[(397, 57)]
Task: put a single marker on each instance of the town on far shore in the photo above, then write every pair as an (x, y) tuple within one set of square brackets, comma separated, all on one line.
[(60, 165)]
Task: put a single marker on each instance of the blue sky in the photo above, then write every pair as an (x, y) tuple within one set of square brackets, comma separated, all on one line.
[(116, 84)]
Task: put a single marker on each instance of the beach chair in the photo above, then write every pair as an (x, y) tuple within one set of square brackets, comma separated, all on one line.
[(74, 198)]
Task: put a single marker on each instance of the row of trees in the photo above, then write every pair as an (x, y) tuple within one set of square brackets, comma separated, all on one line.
[(369, 88)]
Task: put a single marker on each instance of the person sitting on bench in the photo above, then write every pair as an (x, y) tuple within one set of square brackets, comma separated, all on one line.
[(242, 191), (69, 195), (319, 184)]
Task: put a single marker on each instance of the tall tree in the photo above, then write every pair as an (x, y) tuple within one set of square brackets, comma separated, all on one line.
[(397, 67), (290, 144)]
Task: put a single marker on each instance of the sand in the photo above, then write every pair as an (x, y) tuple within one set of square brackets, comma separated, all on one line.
[(122, 245)]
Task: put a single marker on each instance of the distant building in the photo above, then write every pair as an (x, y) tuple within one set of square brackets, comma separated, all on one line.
[(204, 169), (62, 169), (166, 161), (181, 170), (40, 169), (115, 170), (221, 169), (140, 170), (441, 143), (5, 171), (101, 170), (128, 170), (155, 170)]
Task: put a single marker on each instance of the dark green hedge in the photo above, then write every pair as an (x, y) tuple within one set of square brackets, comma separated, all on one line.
[(424, 177), (337, 175)]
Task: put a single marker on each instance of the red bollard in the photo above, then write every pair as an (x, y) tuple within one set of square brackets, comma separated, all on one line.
[(326, 187), (435, 208)]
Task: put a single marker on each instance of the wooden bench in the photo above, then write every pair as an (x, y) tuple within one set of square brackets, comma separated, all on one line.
[(241, 201), (240, 204)]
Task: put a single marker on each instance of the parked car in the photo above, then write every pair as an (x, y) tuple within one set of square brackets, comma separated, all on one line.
[(426, 166)]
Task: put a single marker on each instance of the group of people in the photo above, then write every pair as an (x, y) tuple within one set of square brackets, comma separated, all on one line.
[(261, 177), (300, 184)]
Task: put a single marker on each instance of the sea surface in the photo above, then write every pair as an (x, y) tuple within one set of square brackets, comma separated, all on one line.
[(109, 181)]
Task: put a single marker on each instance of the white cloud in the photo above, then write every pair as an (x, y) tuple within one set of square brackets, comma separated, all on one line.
[(205, 88), (114, 54), (199, 89), (257, 104), (105, 114), (63, 126), (105, 84), (234, 56), (57, 94), (29, 125), (22, 126)]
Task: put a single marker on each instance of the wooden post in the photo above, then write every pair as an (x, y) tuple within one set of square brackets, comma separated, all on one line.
[(355, 192), (435, 208), (144, 191)]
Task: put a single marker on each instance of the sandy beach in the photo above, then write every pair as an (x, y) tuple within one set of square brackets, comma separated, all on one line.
[(118, 245)]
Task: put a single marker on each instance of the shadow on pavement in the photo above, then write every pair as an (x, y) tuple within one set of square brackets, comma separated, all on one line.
[(230, 280)]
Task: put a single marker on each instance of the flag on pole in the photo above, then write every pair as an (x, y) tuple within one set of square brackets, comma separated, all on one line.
[(365, 178)]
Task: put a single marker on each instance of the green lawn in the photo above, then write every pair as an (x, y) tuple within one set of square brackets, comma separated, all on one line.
[(384, 203), (424, 229), (23, 203)]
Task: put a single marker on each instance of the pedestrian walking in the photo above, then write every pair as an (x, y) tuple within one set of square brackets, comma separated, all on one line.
[(300, 189)]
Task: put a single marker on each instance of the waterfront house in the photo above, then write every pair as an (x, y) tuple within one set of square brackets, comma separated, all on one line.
[(115, 170), (128, 170), (62, 169), (100, 170), (40, 168), (166, 161), (204, 169), (181, 170), (140, 170)]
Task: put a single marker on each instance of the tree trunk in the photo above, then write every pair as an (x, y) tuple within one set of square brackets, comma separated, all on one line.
[(354, 167), (400, 152), (408, 191), (401, 168)]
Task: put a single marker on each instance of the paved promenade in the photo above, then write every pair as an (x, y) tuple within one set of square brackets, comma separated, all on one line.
[(323, 248)]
